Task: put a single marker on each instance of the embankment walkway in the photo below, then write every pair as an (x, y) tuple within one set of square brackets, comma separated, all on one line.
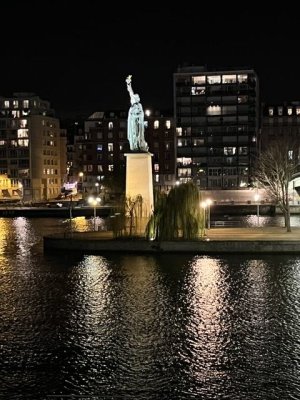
[(217, 240)]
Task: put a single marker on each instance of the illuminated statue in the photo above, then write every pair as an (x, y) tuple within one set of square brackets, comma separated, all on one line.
[(135, 123)]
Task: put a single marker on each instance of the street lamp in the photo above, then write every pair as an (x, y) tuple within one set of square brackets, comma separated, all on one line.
[(81, 181), (94, 201), (256, 198)]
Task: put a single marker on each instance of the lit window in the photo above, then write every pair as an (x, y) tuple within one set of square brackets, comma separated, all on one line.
[(22, 133), (90, 168), (156, 178), (271, 111), (26, 103), (147, 113), (15, 114), (297, 110), (15, 104), (156, 124), (6, 104), (290, 154), (167, 146), (214, 79), (242, 78), (23, 123), (290, 111), (156, 167), (100, 168), (213, 110), (110, 125), (228, 78), (184, 172), (229, 151), (198, 80), (99, 147), (110, 147), (197, 90), (146, 124), (280, 111), (242, 99), (179, 131), (121, 147), (184, 160), (168, 124), (111, 167), (243, 150), (23, 142)]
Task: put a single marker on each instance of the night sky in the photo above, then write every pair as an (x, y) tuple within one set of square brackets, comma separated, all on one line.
[(78, 57)]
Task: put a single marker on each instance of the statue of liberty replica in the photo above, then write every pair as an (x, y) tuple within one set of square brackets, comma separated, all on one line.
[(139, 181), (135, 123)]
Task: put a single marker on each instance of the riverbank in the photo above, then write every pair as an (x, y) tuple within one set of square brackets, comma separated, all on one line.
[(54, 211), (218, 240)]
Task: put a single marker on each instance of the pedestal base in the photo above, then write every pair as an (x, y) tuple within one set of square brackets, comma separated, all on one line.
[(139, 179)]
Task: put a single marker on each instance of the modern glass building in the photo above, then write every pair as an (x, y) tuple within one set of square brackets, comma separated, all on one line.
[(217, 121)]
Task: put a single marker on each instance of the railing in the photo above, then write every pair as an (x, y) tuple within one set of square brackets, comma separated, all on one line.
[(224, 224)]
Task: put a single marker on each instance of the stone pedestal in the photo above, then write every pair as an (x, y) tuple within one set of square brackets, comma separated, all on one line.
[(139, 179)]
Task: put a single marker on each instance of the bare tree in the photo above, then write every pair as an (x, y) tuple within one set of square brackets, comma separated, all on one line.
[(275, 167)]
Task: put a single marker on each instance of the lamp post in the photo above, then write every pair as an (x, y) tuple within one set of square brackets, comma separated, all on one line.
[(81, 182), (256, 198), (94, 201)]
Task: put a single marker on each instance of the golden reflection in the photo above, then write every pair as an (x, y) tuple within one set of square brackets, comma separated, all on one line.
[(5, 234), (81, 224), (208, 324), (90, 287), (257, 291)]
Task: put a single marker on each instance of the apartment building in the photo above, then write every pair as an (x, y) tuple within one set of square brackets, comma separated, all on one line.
[(32, 146)]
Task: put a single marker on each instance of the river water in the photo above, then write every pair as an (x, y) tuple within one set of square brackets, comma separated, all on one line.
[(144, 327)]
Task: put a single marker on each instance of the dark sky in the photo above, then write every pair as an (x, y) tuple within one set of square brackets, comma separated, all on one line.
[(78, 57)]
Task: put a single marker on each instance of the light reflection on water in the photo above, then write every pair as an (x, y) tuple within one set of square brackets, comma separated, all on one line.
[(252, 221), (144, 327)]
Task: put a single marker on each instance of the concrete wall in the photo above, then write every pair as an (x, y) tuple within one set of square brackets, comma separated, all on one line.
[(139, 246)]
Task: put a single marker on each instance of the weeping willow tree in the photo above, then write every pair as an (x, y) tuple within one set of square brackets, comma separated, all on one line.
[(177, 215)]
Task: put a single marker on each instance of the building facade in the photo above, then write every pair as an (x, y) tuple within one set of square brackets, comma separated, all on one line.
[(280, 121), (217, 121), (99, 151), (32, 146)]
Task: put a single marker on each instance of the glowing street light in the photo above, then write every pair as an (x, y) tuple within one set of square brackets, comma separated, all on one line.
[(81, 181), (94, 201), (256, 198)]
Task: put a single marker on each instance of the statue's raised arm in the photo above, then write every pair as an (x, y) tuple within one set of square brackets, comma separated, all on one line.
[(129, 87), (135, 123)]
